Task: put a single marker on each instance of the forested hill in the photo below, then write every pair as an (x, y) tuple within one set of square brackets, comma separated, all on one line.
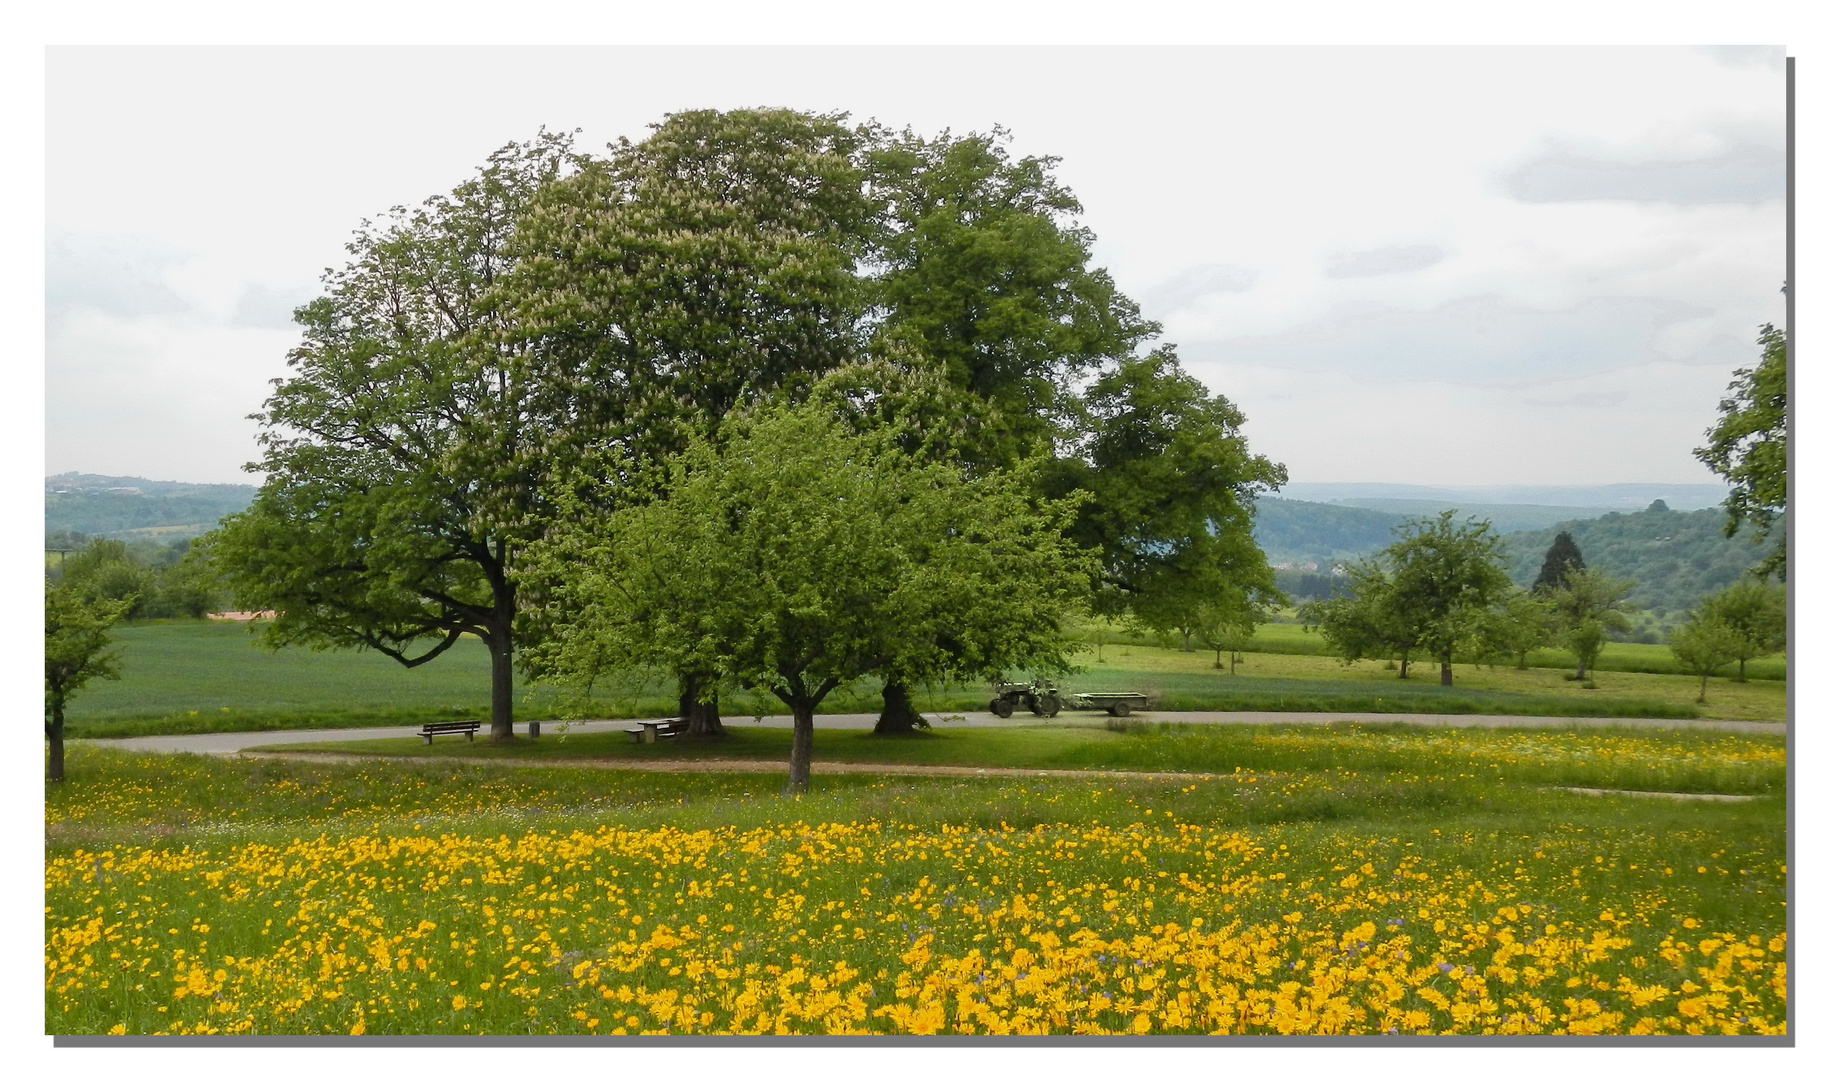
[(1291, 531), (1676, 556), (117, 505)]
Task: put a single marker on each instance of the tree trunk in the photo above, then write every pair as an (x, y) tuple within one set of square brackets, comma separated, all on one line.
[(1405, 664), (502, 686), (899, 715), (1443, 677), (701, 716), (801, 751), (1186, 647), (1742, 670), (1233, 663), (1703, 681), (1582, 667), (1217, 658), (54, 733), (1522, 661)]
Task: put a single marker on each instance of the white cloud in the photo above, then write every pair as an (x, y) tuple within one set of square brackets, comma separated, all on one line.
[(1340, 211)]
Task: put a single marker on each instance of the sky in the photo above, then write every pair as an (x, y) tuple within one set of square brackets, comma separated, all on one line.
[(1447, 266)]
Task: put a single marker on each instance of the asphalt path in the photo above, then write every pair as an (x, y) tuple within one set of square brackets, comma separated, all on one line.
[(237, 741)]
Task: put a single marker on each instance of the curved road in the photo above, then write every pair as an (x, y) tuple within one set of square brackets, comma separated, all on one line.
[(237, 741)]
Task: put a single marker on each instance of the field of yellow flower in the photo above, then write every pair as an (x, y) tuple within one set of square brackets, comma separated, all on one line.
[(1352, 897)]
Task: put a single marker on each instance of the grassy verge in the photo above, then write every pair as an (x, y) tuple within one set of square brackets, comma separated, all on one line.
[(1342, 881), (1667, 760)]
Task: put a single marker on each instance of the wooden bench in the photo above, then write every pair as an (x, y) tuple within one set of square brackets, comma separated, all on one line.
[(655, 730), (450, 727)]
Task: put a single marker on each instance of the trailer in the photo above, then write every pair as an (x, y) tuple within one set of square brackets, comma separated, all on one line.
[(1120, 703)]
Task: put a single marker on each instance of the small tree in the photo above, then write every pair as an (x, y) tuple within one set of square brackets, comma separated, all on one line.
[(794, 557), (1588, 606), (1704, 646), (1755, 616), (1561, 558), (109, 570), (1226, 623), (76, 640), (1363, 621), (1447, 576), (1523, 621)]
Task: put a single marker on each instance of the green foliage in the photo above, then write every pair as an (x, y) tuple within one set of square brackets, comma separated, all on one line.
[(985, 275), (1676, 557), (1522, 622), (1446, 577), (1172, 489), (1754, 614), (1704, 646), (796, 557), (1364, 620), (1748, 447), (1560, 559), (709, 265), (1587, 608)]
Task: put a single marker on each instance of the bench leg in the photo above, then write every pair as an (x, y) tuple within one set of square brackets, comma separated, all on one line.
[(470, 736), (428, 738)]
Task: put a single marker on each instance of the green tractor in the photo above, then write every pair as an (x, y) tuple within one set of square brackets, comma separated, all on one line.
[(1041, 697)]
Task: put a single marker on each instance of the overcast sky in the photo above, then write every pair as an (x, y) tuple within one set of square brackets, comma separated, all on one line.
[(1433, 266)]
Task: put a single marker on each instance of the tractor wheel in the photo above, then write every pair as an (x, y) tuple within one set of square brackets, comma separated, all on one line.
[(1122, 708), (1049, 705), (1001, 708)]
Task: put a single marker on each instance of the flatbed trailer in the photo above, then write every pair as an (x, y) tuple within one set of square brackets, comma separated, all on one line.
[(1119, 703)]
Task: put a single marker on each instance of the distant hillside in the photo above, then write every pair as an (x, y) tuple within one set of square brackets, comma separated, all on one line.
[(1676, 556), (124, 505), (1505, 517), (1296, 533)]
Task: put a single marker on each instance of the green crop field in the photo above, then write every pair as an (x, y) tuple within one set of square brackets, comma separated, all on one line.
[(187, 676), (1339, 880)]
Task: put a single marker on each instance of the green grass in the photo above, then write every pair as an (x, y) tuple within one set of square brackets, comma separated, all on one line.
[(552, 900), (186, 677)]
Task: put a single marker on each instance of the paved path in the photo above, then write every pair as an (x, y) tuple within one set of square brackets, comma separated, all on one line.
[(236, 742)]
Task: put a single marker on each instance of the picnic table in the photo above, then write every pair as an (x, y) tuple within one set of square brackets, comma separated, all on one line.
[(648, 731)]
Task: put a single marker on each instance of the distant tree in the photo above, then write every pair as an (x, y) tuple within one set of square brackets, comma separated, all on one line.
[(1748, 447), (76, 640), (1521, 622), (1754, 615), (1364, 619), (1704, 647), (109, 570), (1658, 506), (406, 455), (790, 555), (1225, 621), (1560, 559), (1447, 576), (1173, 488), (1588, 606)]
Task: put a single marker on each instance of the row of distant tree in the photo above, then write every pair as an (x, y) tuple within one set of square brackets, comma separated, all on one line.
[(1441, 593), (153, 580)]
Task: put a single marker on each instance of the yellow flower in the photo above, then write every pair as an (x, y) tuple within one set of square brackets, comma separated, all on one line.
[(458, 1003)]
